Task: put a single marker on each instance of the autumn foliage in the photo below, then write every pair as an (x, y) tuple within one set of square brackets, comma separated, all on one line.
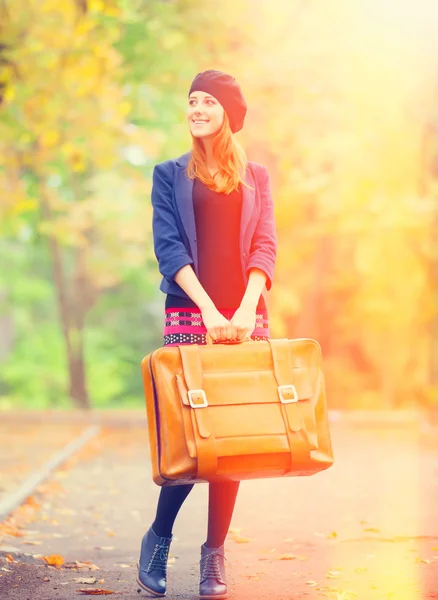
[(342, 102)]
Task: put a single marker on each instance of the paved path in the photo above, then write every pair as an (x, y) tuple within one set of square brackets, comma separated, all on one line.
[(365, 529)]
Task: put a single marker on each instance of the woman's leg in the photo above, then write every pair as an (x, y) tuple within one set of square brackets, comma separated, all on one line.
[(221, 501), (169, 502)]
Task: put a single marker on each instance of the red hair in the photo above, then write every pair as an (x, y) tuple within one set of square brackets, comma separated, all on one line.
[(229, 155)]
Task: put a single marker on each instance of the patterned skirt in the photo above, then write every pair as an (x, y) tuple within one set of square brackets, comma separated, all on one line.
[(185, 326)]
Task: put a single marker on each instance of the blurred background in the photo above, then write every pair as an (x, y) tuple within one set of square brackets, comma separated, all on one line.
[(343, 110)]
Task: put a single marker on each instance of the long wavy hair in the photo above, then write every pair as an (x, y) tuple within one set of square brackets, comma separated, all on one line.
[(230, 157)]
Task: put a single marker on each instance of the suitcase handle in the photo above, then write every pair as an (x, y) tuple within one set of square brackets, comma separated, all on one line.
[(226, 342)]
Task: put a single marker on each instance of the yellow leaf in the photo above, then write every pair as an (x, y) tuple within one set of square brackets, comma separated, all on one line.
[(112, 11), (240, 539), (332, 535), (28, 204), (96, 5), (9, 95), (49, 139), (125, 107), (287, 557)]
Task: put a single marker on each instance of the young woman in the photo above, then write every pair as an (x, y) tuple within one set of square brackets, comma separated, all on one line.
[(215, 242)]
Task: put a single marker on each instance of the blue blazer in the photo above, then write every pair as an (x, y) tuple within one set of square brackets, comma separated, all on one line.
[(174, 228)]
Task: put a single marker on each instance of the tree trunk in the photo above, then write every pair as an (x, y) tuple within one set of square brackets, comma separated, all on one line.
[(71, 321)]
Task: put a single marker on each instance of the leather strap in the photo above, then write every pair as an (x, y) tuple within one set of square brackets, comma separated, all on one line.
[(201, 421), (292, 412)]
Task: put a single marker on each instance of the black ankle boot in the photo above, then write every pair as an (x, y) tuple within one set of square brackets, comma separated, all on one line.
[(152, 566), (213, 584)]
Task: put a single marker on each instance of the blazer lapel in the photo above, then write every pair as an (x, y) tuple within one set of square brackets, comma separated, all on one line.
[(248, 199), (184, 202)]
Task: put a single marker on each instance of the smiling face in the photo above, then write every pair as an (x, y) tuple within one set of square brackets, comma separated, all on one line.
[(204, 114)]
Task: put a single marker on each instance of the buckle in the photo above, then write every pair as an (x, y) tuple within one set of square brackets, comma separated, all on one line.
[(203, 396), (289, 388)]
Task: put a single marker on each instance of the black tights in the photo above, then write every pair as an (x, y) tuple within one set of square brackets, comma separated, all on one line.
[(221, 500)]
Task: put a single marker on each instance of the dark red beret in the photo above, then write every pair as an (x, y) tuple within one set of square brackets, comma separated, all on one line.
[(227, 91)]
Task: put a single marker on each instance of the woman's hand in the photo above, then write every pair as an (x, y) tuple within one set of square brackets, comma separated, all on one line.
[(218, 327), (244, 320)]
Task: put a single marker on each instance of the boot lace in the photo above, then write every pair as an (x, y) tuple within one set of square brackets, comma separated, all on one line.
[(211, 567), (159, 558)]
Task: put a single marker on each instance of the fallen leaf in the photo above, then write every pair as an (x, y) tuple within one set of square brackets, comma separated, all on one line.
[(10, 558), (96, 592), (87, 580), (287, 557), (234, 530), (372, 529), (311, 583), (86, 564), (123, 566), (333, 574), (8, 528), (427, 561), (171, 560), (240, 539), (46, 579), (332, 535), (54, 560), (32, 542)]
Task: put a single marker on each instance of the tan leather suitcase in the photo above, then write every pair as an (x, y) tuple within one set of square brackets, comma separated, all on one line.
[(232, 412)]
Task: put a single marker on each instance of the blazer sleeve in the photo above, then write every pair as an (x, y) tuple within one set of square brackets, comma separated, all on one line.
[(169, 247), (263, 251)]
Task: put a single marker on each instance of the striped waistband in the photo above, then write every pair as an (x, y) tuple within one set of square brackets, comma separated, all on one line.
[(185, 325)]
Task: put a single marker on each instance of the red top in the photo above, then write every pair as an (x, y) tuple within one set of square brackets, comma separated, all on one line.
[(217, 217)]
